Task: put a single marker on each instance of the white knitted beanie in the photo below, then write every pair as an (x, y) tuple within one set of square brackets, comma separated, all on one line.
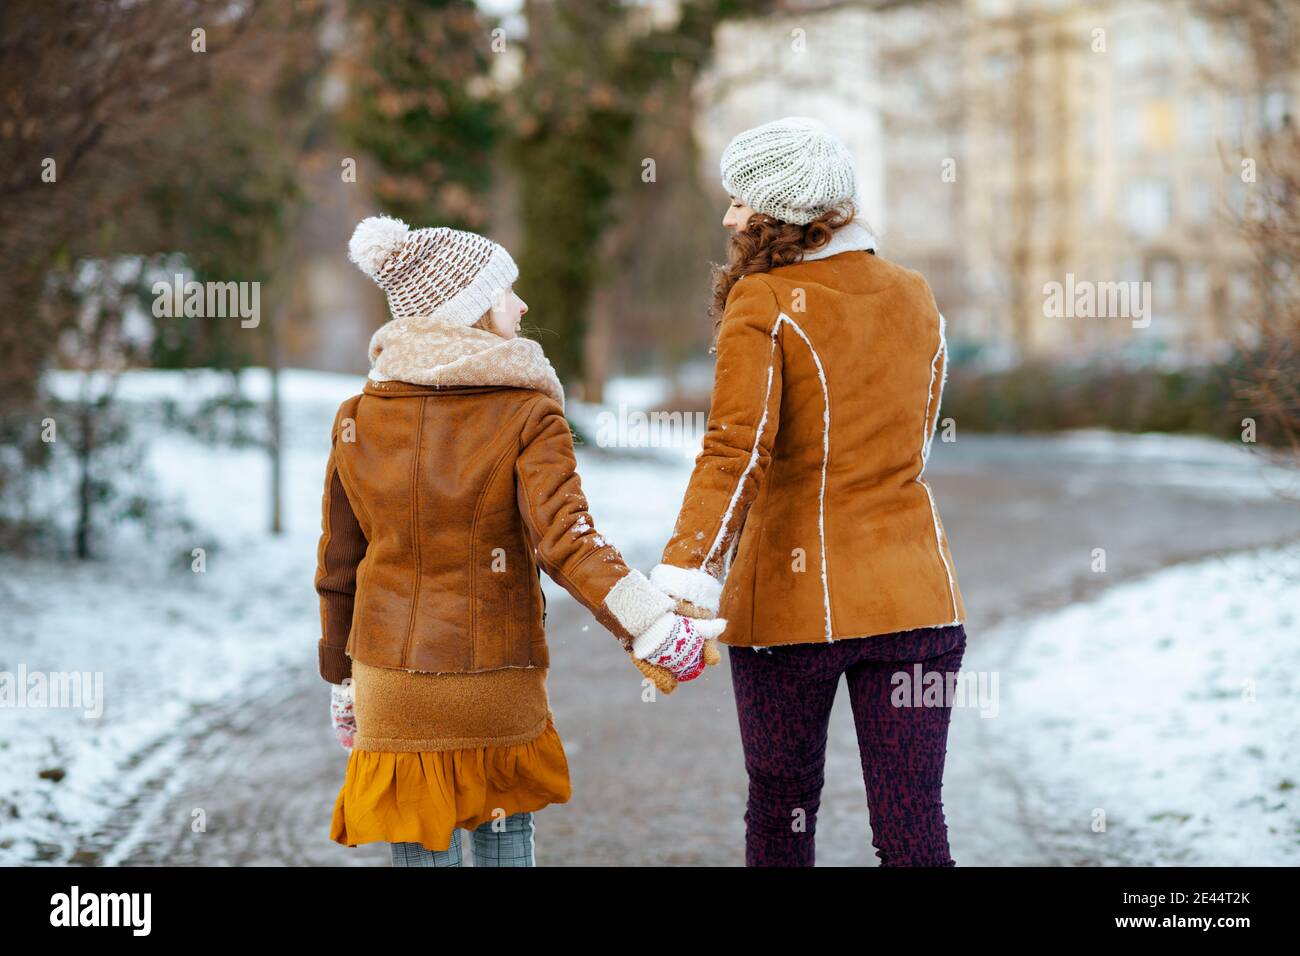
[(444, 275), (793, 169)]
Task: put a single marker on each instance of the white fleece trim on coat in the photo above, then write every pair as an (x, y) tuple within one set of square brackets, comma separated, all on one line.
[(927, 438), (753, 453), (826, 455), (853, 237), (637, 604), (688, 584), (930, 397)]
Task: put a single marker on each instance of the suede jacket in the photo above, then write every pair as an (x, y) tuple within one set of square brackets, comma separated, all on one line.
[(808, 517), (447, 492)]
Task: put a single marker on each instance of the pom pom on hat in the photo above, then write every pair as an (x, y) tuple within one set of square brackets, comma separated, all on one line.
[(374, 240), (441, 275)]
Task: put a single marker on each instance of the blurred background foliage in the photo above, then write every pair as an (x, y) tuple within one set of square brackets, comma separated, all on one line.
[(216, 143)]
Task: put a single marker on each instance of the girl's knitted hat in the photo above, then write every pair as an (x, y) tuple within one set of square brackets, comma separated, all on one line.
[(443, 275), (793, 169)]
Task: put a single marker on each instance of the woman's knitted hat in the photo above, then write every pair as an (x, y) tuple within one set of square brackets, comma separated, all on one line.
[(444, 275), (793, 169)]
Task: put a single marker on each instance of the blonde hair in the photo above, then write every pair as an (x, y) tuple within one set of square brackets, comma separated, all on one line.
[(484, 322)]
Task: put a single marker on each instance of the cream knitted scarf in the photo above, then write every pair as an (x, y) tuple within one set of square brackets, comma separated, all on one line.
[(433, 353)]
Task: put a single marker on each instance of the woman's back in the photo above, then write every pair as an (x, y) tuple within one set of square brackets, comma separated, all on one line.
[(828, 384)]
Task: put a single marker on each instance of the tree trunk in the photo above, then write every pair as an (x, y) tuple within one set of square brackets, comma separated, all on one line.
[(85, 449), (596, 345)]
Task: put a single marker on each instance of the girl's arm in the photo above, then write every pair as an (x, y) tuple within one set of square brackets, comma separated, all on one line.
[(342, 546), (565, 539), (743, 417)]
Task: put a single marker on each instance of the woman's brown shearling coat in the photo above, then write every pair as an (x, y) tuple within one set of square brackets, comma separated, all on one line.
[(826, 397)]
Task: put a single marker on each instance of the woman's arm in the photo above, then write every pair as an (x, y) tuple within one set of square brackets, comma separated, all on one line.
[(743, 418), (341, 548)]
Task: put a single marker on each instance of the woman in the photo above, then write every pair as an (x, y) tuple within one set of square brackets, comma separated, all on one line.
[(808, 500), (450, 483)]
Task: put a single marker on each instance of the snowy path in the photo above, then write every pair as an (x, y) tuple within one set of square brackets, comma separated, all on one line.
[(232, 728)]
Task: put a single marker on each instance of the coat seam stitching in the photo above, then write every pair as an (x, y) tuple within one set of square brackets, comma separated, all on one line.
[(415, 529), (473, 558)]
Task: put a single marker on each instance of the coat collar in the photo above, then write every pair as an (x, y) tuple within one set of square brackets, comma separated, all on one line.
[(853, 237), (419, 352)]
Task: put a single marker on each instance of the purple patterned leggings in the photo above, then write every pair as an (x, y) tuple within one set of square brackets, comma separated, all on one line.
[(783, 698)]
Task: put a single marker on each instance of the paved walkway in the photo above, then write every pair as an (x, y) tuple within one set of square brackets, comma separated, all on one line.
[(663, 782)]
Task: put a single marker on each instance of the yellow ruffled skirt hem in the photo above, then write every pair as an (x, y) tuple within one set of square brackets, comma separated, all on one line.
[(422, 796)]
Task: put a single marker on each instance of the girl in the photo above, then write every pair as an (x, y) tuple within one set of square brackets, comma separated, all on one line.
[(830, 367), (450, 480)]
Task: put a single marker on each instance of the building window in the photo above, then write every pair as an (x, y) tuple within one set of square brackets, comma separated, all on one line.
[(1163, 275), (1200, 200), (1196, 287), (1200, 40), (1091, 203), (1129, 128), (1198, 123), (1087, 131), (1241, 290), (1148, 206), (1158, 125), (1238, 117), (1277, 108), (1127, 41)]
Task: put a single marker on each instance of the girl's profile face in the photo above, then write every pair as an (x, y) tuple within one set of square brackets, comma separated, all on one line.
[(737, 215), (504, 317)]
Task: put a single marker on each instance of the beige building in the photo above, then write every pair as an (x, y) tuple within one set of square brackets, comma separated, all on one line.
[(1019, 143), (1002, 145), (1104, 145)]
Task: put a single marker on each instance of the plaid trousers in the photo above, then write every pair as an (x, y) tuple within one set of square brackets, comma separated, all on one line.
[(508, 841)]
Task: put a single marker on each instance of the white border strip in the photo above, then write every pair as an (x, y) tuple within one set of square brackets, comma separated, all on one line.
[(927, 438), (826, 454)]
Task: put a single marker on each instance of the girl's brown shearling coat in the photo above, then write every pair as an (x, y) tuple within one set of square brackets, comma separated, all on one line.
[(440, 503)]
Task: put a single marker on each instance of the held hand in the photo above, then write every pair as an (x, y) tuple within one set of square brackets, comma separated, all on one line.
[(686, 609), (342, 717), (710, 655), (671, 639), (677, 648)]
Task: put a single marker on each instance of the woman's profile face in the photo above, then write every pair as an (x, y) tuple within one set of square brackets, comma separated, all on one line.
[(737, 215), (506, 313)]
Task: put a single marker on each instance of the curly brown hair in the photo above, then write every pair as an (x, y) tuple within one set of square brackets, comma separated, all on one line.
[(765, 244)]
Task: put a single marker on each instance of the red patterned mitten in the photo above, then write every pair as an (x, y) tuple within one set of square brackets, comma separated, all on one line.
[(342, 717)]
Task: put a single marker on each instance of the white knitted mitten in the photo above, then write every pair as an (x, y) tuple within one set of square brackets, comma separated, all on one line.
[(676, 643)]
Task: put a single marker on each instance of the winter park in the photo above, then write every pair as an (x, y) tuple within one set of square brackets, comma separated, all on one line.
[(659, 434)]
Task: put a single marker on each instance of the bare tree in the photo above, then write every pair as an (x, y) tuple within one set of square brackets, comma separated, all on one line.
[(1268, 387)]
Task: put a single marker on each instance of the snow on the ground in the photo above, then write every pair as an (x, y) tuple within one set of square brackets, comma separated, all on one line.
[(1168, 704), (164, 639), (161, 638)]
